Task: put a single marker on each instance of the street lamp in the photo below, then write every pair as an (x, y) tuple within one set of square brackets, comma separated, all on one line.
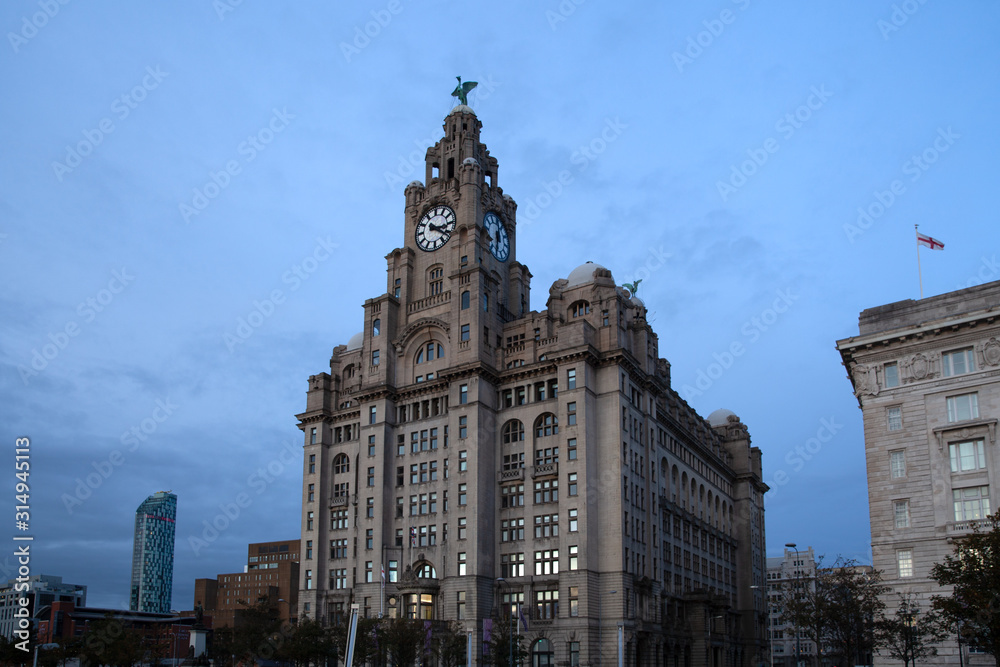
[(798, 577), (600, 639)]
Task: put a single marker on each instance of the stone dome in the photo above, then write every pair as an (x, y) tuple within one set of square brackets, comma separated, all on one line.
[(463, 108), (356, 341), (720, 417), (470, 160), (417, 184), (582, 274)]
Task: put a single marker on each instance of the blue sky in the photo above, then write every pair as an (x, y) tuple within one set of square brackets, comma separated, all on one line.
[(759, 165)]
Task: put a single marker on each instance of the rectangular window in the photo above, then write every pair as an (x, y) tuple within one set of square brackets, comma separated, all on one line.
[(460, 606), (463, 394), (972, 503), (393, 571), (312, 436), (512, 565), (962, 407), (894, 418), (571, 449), (547, 562), (462, 527), (309, 520), (572, 484), (309, 549), (897, 464), (464, 332), (375, 357), (371, 476), (312, 463), (461, 564), (573, 520), (511, 530), (901, 513), (966, 456), (546, 456), (463, 427), (957, 362), (574, 601), (546, 491), (463, 494), (369, 573), (574, 647), (547, 525), (400, 444), (338, 578), (463, 461), (891, 372), (547, 604), (571, 378), (369, 539), (312, 492), (571, 413), (574, 557), (904, 562), (309, 579), (370, 508), (372, 415), (512, 495), (338, 549)]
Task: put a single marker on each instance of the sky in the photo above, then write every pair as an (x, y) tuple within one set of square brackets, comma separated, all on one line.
[(171, 172)]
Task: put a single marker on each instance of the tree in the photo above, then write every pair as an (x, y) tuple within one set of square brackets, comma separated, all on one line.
[(973, 572), (110, 641), (908, 635), (840, 611), (450, 645), (308, 642), (506, 646), (402, 640)]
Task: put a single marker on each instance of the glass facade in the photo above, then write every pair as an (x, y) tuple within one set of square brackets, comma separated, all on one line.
[(153, 554)]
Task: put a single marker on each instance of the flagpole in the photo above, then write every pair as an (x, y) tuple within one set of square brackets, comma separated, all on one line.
[(920, 275)]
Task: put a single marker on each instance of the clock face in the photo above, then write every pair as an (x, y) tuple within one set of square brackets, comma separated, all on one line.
[(499, 243), (435, 228)]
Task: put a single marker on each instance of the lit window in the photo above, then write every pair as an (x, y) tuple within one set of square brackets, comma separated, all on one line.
[(897, 464), (461, 564), (972, 503), (891, 374), (512, 565), (966, 456), (901, 513), (574, 557), (962, 407), (547, 562), (904, 561), (957, 362), (894, 418)]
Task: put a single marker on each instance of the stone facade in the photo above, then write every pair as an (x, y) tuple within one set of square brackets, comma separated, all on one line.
[(789, 574), (926, 377), (491, 457)]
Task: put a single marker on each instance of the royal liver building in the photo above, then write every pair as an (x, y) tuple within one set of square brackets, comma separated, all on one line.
[(490, 458)]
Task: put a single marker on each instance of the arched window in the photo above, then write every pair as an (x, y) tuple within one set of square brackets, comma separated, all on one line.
[(465, 300), (579, 309), (435, 280), (513, 431), (541, 654), (429, 352), (341, 464), (349, 371), (425, 570), (546, 425), (376, 327)]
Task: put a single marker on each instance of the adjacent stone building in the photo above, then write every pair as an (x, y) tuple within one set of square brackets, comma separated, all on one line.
[(41, 590), (791, 574), (270, 577), (486, 458), (927, 377)]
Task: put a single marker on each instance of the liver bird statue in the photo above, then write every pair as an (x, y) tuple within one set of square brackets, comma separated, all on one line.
[(462, 90), (632, 287)]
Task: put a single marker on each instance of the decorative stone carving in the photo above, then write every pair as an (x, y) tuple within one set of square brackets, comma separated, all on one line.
[(990, 353), (865, 380), (916, 367)]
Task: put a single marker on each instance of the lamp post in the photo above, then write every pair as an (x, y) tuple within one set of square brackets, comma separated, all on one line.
[(798, 577)]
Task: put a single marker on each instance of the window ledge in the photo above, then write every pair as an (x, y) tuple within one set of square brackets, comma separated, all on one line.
[(967, 429)]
